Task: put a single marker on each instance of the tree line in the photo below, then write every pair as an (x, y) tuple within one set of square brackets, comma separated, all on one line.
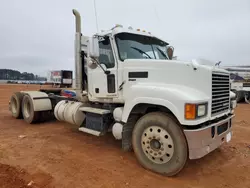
[(9, 74)]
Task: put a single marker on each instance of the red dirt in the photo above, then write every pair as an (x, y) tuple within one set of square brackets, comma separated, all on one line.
[(10, 176), (55, 154)]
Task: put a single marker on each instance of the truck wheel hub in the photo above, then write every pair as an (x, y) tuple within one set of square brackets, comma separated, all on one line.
[(157, 144)]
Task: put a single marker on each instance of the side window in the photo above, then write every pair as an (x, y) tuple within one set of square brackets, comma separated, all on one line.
[(106, 55)]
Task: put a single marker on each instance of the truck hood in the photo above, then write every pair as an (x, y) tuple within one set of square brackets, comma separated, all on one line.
[(196, 74), (195, 63)]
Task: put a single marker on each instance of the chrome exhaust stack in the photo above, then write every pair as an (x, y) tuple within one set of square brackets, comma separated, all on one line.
[(78, 58), (78, 20)]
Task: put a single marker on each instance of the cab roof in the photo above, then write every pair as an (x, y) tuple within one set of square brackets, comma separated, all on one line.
[(119, 29)]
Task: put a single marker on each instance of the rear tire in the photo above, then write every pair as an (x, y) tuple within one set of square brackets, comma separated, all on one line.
[(29, 115), (160, 144), (16, 105)]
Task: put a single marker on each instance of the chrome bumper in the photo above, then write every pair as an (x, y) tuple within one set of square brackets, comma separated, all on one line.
[(201, 141)]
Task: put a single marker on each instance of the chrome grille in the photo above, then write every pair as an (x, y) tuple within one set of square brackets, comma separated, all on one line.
[(220, 92)]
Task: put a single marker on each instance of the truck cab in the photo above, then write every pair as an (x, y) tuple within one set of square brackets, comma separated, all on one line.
[(136, 68), (117, 48)]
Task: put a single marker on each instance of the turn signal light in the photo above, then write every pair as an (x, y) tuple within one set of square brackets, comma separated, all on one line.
[(190, 111)]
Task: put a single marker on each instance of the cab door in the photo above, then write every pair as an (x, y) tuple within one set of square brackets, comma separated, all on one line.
[(103, 85)]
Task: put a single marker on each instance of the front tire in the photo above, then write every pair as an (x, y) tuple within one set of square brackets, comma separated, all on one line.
[(160, 144)]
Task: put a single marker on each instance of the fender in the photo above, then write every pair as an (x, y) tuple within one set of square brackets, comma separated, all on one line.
[(41, 100), (170, 96)]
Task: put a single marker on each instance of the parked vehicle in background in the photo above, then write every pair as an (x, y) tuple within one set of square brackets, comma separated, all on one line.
[(240, 82), (60, 78)]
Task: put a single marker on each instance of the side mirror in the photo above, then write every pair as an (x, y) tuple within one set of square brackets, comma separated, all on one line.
[(170, 52), (93, 47)]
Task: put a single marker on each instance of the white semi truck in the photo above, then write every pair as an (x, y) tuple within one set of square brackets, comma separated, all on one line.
[(166, 111)]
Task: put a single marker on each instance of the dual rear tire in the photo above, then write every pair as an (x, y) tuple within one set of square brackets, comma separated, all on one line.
[(160, 144), (21, 106), (15, 105), (29, 115)]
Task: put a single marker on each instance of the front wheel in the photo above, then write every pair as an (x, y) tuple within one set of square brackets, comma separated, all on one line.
[(160, 144)]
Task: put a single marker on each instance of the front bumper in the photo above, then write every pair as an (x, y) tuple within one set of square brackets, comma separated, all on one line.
[(204, 140)]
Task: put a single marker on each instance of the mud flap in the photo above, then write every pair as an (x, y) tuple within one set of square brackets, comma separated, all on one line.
[(127, 132)]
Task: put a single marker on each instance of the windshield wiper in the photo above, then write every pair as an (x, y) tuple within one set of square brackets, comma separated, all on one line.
[(162, 53), (142, 52)]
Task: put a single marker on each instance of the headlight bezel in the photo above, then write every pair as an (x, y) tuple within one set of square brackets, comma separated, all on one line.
[(193, 108)]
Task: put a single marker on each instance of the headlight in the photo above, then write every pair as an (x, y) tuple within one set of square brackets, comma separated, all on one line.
[(201, 110), (194, 111)]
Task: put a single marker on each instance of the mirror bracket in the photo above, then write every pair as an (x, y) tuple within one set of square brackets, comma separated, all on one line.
[(107, 72)]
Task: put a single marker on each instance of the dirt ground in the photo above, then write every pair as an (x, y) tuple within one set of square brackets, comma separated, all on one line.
[(55, 154)]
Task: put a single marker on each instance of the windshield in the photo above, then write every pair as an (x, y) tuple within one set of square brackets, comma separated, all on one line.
[(132, 46)]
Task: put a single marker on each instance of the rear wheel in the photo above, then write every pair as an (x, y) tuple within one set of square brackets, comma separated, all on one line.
[(29, 115), (16, 105), (160, 144)]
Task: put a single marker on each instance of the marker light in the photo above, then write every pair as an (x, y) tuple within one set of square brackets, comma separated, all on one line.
[(118, 25)]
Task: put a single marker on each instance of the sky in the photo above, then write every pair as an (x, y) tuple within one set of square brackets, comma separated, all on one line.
[(38, 36)]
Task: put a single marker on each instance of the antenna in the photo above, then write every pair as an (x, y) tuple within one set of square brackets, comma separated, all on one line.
[(96, 17), (157, 16)]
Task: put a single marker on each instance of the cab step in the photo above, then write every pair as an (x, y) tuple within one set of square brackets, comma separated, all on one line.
[(95, 110), (97, 121), (89, 131)]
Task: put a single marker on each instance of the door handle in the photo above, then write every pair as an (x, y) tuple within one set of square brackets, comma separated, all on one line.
[(131, 79)]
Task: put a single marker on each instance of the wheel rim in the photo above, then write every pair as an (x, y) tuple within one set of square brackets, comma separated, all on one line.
[(14, 106), (157, 144), (26, 109)]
